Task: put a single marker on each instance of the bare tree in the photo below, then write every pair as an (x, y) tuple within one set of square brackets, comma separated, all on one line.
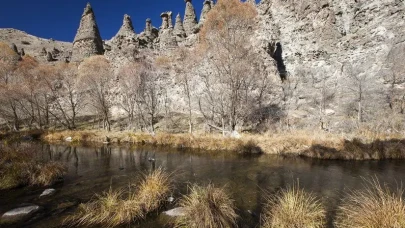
[(185, 64), (150, 94), (363, 90), (95, 78), (237, 83), (9, 109), (130, 81), (66, 97)]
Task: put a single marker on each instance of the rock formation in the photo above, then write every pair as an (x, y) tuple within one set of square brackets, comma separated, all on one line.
[(166, 36), (127, 29), (190, 19), (43, 52), (88, 41), (49, 57), (206, 8), (253, 2), (147, 37), (124, 44), (14, 47), (328, 42), (178, 30), (165, 20)]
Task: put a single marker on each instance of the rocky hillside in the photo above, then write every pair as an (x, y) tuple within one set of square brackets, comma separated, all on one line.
[(338, 61), (329, 49), (35, 46)]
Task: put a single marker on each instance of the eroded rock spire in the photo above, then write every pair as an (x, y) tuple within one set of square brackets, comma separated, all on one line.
[(127, 29), (190, 18), (206, 8), (88, 41), (178, 30)]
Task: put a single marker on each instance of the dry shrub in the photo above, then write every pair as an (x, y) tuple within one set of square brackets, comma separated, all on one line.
[(376, 206), (293, 207), (207, 207), (46, 174), (153, 190), (118, 207)]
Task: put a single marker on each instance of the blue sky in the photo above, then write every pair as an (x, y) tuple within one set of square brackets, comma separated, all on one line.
[(59, 19)]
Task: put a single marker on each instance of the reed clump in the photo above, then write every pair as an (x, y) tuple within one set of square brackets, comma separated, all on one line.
[(207, 207), (118, 207), (293, 207), (376, 206)]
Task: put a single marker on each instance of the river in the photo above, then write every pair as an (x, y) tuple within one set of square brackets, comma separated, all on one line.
[(249, 180)]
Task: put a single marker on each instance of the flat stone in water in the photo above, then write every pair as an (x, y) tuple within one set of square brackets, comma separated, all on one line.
[(175, 212), (48, 192), (19, 213)]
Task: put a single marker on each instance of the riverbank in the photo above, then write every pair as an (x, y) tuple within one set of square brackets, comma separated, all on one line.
[(365, 145)]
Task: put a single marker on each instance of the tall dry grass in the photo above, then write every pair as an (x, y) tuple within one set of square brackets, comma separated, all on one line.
[(207, 207), (376, 206), (293, 207), (18, 167), (118, 207), (364, 145)]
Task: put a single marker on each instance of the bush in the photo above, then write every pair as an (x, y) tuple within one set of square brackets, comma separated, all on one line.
[(118, 207), (207, 207), (293, 208), (374, 207)]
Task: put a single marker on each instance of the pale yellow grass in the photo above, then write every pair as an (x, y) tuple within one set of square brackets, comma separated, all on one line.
[(293, 207), (376, 206)]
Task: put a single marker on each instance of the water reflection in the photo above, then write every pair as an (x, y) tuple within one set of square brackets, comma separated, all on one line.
[(95, 169)]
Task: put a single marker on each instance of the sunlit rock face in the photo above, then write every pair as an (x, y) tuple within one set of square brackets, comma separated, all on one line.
[(88, 41)]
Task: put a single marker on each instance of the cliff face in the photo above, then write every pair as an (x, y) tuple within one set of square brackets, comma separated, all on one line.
[(327, 48)]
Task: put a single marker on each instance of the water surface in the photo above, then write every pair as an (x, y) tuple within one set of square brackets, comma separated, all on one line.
[(248, 179)]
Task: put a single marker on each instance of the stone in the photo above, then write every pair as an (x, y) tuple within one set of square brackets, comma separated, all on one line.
[(165, 20), (49, 57), (235, 135), (69, 139), (14, 47), (19, 214), (206, 8), (175, 212), (48, 192), (178, 30), (43, 52), (147, 37), (127, 29), (87, 41), (253, 2), (190, 19), (170, 199)]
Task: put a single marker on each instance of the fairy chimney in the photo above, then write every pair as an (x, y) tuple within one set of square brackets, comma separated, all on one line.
[(88, 41), (190, 18), (178, 30), (206, 8), (127, 29)]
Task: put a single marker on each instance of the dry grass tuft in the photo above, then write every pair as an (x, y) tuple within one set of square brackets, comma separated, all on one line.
[(153, 190), (207, 207), (294, 207), (46, 174), (374, 207), (18, 167), (118, 207)]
